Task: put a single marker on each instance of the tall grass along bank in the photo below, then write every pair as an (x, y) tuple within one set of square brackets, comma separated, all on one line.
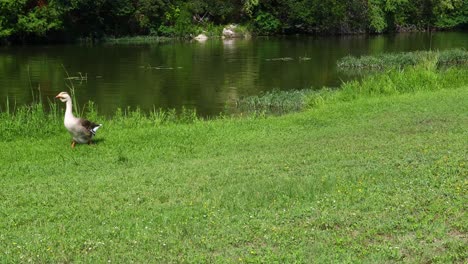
[(387, 61), (274, 102)]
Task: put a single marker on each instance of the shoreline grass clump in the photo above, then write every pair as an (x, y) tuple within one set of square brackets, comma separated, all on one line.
[(386, 61), (130, 117), (408, 80), (273, 102), (393, 82), (452, 57), (32, 121), (382, 61), (38, 120)]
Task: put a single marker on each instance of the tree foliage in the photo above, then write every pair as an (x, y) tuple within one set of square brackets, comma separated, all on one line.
[(24, 20)]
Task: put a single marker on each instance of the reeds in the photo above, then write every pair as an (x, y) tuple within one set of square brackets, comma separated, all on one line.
[(274, 102)]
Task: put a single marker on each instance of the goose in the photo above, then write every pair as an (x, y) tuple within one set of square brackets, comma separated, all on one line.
[(82, 130)]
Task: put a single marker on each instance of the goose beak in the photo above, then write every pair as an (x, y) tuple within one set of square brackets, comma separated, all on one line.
[(58, 96)]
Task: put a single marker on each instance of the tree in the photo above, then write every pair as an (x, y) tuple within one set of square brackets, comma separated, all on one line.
[(451, 13), (25, 18)]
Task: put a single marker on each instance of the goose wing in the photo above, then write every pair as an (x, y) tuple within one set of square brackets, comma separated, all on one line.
[(90, 127)]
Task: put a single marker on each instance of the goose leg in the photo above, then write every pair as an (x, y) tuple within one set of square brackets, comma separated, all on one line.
[(73, 144)]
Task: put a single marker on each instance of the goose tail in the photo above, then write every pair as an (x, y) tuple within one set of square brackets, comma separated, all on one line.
[(94, 129)]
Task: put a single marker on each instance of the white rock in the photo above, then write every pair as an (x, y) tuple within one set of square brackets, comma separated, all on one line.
[(229, 31), (201, 37)]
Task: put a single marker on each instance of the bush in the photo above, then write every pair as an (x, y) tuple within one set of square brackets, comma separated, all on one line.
[(178, 23), (266, 24)]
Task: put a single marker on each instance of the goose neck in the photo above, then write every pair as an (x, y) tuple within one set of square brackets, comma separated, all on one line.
[(68, 109)]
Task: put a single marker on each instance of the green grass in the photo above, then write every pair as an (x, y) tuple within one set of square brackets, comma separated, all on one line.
[(360, 177)]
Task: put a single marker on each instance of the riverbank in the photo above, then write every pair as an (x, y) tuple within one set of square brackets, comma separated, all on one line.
[(378, 177), (232, 31), (48, 22)]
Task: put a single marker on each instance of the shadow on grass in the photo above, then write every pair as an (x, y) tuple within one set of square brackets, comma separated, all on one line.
[(98, 141), (94, 142)]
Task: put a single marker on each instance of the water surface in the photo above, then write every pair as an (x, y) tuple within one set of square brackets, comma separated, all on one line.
[(205, 76)]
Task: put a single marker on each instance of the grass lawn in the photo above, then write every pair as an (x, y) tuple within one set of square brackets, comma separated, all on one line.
[(381, 179)]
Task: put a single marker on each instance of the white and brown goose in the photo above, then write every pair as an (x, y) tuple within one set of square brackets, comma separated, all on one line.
[(82, 130)]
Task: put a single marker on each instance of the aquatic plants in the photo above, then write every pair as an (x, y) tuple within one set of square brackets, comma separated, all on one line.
[(387, 61)]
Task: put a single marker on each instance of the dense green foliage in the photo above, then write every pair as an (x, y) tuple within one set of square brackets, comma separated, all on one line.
[(368, 175), (23, 20)]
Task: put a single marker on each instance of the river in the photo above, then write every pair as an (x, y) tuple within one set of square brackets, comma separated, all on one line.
[(202, 75)]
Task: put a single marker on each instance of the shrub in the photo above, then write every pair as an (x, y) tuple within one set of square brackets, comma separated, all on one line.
[(266, 24)]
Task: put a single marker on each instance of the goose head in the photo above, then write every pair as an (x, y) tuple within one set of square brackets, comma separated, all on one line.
[(63, 96)]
